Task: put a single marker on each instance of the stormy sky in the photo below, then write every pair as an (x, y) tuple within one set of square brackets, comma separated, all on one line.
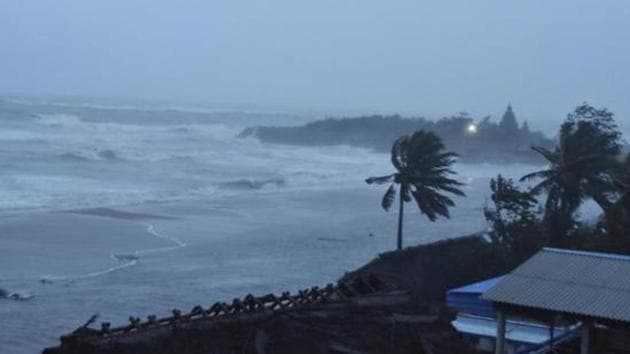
[(426, 57)]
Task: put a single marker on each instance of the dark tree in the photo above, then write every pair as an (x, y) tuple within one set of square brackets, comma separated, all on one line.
[(618, 217), (514, 222), (423, 170), (579, 168)]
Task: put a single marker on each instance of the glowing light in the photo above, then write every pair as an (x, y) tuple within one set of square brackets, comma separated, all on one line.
[(472, 129)]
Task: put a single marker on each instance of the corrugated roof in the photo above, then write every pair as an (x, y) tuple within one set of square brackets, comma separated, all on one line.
[(576, 282)]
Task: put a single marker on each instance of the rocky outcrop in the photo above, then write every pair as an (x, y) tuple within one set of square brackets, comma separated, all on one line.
[(474, 141)]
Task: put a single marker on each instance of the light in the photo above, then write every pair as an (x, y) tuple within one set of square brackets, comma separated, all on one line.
[(472, 129)]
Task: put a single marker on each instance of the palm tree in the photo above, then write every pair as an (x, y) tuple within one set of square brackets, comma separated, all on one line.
[(422, 171), (579, 167)]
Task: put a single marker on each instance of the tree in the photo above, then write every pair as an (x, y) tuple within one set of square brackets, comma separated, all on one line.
[(579, 167), (618, 217), (423, 170), (514, 222)]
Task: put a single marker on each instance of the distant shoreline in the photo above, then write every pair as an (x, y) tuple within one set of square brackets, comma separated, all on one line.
[(474, 141)]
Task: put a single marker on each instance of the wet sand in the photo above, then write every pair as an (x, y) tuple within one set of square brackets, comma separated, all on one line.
[(118, 214)]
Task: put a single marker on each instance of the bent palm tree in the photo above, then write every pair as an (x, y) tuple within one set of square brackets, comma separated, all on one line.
[(422, 171), (579, 168)]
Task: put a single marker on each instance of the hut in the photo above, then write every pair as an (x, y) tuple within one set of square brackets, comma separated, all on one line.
[(562, 287)]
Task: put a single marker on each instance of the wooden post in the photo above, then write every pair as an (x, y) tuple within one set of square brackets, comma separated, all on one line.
[(585, 344), (499, 346)]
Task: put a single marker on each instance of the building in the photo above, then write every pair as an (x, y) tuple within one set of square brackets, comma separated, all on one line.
[(563, 287), (476, 320)]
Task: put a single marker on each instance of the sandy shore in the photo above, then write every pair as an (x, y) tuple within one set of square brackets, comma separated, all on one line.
[(251, 243)]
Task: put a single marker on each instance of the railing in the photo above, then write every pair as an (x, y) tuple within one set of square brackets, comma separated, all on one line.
[(250, 304)]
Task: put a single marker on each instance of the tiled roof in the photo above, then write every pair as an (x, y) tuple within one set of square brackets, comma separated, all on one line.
[(574, 282)]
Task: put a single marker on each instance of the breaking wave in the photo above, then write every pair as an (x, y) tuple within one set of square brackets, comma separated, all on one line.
[(17, 296), (252, 184), (96, 155)]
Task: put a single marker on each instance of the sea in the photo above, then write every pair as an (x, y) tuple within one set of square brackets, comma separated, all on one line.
[(133, 209)]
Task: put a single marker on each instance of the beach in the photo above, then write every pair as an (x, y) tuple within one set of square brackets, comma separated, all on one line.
[(178, 255)]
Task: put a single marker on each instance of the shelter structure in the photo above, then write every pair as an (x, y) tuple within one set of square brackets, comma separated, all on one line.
[(560, 287), (476, 320)]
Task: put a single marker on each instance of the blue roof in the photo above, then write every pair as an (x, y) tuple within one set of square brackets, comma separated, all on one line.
[(477, 288), (466, 299)]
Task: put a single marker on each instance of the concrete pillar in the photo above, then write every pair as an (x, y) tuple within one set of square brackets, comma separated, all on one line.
[(499, 346), (551, 334), (585, 340)]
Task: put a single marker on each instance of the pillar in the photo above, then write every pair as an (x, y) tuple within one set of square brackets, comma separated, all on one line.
[(585, 338), (499, 346)]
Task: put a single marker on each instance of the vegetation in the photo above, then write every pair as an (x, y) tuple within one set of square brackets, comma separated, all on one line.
[(514, 219), (503, 141), (585, 164), (423, 172), (580, 168), (618, 215)]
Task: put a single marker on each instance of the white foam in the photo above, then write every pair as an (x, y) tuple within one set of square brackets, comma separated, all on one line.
[(125, 261)]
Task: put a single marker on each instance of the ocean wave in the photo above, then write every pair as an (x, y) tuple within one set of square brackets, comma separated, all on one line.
[(69, 156), (59, 120), (91, 156), (252, 184), (17, 296)]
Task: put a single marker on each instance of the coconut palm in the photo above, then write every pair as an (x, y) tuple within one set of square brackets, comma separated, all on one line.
[(579, 167), (423, 170)]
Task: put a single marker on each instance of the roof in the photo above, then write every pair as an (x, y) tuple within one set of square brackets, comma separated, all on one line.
[(466, 299), (574, 282), (477, 288)]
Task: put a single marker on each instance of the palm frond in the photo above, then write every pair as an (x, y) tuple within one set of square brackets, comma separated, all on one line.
[(546, 153), (424, 206), (538, 174), (542, 186), (388, 198), (399, 153)]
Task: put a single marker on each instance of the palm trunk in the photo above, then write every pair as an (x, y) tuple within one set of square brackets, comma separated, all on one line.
[(400, 218)]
